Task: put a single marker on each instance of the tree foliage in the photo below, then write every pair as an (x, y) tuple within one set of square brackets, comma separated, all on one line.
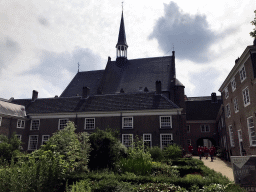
[(253, 33)]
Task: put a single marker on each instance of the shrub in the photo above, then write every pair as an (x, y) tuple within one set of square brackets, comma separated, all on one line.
[(148, 187), (106, 150), (109, 185), (81, 186), (164, 169), (156, 153), (172, 152)]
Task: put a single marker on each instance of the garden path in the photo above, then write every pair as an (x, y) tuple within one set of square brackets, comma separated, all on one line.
[(218, 165)]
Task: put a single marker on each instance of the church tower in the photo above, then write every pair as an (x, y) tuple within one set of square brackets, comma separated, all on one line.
[(121, 46)]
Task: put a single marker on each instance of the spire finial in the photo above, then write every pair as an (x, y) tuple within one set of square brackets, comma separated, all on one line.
[(122, 5), (78, 66)]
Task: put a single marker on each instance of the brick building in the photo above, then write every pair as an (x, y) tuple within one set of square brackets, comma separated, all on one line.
[(239, 100), (136, 97)]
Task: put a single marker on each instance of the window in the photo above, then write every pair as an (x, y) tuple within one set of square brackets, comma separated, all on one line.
[(63, 123), (189, 142), (20, 123), (89, 123), (228, 112), (231, 136), (188, 128), (246, 96), (32, 143), (239, 133), (127, 139), (127, 122), (242, 74), (166, 139), (226, 92), (233, 84), (205, 128), (251, 131), (147, 140), (19, 137), (35, 123), (45, 138), (236, 108), (166, 122), (0, 121)]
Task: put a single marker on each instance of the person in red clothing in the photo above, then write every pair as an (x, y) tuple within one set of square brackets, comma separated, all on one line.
[(190, 149), (206, 152), (212, 152), (200, 151)]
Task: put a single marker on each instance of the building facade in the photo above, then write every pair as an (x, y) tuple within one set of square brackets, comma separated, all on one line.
[(239, 101)]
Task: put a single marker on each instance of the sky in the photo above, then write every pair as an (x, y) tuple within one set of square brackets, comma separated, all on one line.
[(41, 42)]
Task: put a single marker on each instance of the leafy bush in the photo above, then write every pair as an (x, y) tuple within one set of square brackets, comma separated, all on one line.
[(9, 147), (81, 186), (187, 161), (106, 150), (172, 152), (164, 187), (43, 174), (156, 153), (164, 170), (109, 185)]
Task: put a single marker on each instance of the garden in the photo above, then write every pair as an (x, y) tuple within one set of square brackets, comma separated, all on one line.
[(73, 162)]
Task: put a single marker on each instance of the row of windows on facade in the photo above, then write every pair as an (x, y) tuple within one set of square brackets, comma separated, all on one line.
[(127, 139), (204, 128), (246, 100), (127, 123), (251, 133), (242, 74)]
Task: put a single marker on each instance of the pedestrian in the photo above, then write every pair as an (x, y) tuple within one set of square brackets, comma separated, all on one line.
[(200, 151), (190, 149), (212, 152), (206, 151)]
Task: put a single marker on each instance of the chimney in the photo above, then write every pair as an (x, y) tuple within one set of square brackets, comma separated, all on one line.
[(214, 98), (121, 90), (86, 92), (158, 87), (34, 95)]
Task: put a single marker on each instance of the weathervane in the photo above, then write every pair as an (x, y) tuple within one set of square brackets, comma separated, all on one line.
[(78, 66), (122, 5)]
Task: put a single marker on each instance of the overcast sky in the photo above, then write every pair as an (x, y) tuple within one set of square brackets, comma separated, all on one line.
[(41, 42)]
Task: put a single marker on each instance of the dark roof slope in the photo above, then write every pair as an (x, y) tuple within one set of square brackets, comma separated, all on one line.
[(89, 79), (116, 102), (137, 74), (203, 109), (122, 36)]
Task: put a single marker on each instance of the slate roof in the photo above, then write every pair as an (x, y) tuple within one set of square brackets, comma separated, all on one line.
[(100, 103), (122, 36), (89, 79), (10, 109), (202, 108)]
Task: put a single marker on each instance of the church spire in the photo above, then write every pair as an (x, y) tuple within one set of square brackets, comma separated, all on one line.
[(121, 46)]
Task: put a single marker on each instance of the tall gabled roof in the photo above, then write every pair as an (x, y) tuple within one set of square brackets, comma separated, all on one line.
[(122, 36), (10, 109)]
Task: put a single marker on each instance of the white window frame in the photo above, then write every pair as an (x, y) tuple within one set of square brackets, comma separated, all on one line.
[(188, 128), (236, 106), (44, 140), (242, 73), (127, 143), (161, 139), (228, 111), (251, 131), (1, 121), (19, 136), (233, 84), (147, 140), (246, 96), (31, 125), (226, 92), (20, 124), (90, 125), (127, 122), (29, 144), (165, 124), (62, 125), (204, 128), (231, 136)]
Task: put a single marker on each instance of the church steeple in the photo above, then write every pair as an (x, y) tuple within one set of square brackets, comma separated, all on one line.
[(121, 46)]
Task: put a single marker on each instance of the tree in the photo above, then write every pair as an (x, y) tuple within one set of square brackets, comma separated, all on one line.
[(253, 33)]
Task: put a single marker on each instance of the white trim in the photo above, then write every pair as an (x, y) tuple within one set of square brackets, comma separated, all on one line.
[(236, 106), (226, 92), (228, 111), (1, 121), (249, 102), (32, 123), (240, 69), (127, 127), (19, 135), (123, 139), (160, 122), (29, 142), (250, 132), (148, 140), (105, 114), (45, 140), (161, 134), (233, 84), (231, 136), (85, 124), (21, 124), (59, 122)]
